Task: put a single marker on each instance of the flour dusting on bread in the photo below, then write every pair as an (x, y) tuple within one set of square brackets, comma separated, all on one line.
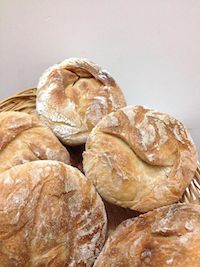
[(140, 159), (82, 93)]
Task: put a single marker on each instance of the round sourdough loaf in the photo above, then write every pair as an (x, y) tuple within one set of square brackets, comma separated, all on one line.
[(139, 158), (50, 215), (168, 236), (23, 138), (73, 96)]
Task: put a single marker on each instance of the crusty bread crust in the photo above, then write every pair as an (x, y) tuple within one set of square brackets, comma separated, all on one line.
[(73, 96), (139, 158), (50, 215), (23, 138), (168, 236)]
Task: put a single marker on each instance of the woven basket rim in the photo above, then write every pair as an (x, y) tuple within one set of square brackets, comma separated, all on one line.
[(20, 101), (18, 94)]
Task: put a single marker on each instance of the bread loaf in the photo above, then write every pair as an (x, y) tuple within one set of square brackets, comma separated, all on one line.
[(23, 138), (168, 236), (50, 215), (73, 96), (139, 158)]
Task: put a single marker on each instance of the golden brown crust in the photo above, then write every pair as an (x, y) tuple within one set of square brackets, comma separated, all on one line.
[(140, 158), (12, 124), (50, 216), (23, 138), (73, 96), (168, 236)]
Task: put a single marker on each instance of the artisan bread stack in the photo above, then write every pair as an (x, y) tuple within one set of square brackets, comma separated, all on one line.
[(126, 160)]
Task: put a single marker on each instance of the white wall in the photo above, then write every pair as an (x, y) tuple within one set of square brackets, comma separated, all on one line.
[(151, 47)]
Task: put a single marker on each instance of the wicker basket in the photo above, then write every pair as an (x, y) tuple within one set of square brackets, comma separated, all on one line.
[(25, 101)]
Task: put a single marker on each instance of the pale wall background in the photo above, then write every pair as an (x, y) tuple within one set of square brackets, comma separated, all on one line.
[(151, 47)]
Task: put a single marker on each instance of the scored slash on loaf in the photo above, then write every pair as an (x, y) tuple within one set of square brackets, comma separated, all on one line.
[(139, 158), (73, 96)]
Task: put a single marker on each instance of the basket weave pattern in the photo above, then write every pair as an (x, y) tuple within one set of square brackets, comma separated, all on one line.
[(25, 101)]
